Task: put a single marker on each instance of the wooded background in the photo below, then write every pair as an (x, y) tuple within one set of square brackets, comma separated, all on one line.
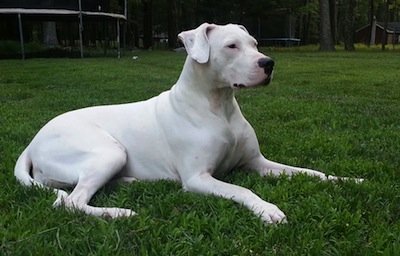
[(328, 22), (149, 22)]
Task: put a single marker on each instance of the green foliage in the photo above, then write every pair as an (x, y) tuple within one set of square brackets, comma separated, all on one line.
[(336, 112), (13, 47)]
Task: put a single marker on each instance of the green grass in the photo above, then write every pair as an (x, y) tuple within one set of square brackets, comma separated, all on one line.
[(336, 112)]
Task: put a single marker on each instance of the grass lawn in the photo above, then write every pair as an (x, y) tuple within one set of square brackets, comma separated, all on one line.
[(335, 112)]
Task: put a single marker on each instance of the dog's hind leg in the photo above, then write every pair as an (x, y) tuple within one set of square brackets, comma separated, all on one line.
[(99, 170), (61, 194)]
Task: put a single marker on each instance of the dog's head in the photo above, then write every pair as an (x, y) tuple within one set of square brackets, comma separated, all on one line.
[(230, 52)]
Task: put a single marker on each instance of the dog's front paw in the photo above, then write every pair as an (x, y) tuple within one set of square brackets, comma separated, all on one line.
[(113, 213), (336, 178), (269, 213), (359, 180)]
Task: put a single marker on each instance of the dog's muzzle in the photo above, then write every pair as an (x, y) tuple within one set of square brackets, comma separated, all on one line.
[(267, 64)]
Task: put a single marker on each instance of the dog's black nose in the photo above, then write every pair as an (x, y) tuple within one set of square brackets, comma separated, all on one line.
[(267, 64)]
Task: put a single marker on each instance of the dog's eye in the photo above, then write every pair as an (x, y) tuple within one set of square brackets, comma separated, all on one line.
[(232, 46)]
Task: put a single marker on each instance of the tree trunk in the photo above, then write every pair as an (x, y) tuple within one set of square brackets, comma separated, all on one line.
[(172, 24), (348, 24), (306, 21), (133, 23), (372, 23), (333, 18), (384, 34), (50, 34), (325, 33), (147, 24)]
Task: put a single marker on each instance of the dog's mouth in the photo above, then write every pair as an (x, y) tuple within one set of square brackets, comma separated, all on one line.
[(268, 80), (264, 82), (239, 85)]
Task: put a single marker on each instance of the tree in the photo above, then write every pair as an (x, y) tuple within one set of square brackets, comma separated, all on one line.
[(308, 14), (333, 12), (172, 17), (147, 23), (134, 22), (348, 24), (50, 34), (325, 32), (371, 23), (384, 34)]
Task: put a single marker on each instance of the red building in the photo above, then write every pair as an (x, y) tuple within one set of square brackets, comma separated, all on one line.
[(375, 34)]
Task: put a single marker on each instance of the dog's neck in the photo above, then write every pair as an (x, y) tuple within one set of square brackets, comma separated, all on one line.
[(197, 85)]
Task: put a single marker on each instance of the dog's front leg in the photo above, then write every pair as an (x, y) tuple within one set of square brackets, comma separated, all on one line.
[(267, 167), (206, 184)]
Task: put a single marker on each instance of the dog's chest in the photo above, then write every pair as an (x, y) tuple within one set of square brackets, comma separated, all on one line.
[(230, 144)]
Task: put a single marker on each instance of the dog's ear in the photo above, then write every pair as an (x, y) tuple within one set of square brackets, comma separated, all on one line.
[(196, 42), (243, 28)]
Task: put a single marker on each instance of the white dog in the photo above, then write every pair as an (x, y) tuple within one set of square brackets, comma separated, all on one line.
[(190, 134)]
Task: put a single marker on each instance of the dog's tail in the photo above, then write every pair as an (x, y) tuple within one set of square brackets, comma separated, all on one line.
[(22, 169)]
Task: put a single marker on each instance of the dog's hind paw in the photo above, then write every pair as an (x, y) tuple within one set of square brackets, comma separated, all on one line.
[(61, 196)]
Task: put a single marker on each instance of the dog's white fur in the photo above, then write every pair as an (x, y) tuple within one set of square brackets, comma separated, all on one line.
[(190, 134)]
